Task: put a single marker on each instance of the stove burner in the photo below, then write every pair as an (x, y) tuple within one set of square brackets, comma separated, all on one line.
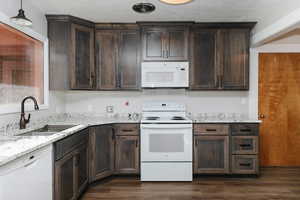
[(177, 118), (152, 118)]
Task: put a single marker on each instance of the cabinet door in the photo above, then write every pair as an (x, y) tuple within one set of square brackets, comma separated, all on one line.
[(211, 154), (176, 44), (236, 59), (128, 62), (65, 179), (106, 59), (204, 55), (127, 155), (81, 164), (153, 44), (82, 57), (102, 152)]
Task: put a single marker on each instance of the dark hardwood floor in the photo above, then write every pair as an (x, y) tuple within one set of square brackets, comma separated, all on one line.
[(273, 184)]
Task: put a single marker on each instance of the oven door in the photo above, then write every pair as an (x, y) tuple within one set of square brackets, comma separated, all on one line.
[(166, 142)]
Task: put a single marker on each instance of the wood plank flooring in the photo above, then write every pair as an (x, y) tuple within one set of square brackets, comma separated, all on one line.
[(273, 184)]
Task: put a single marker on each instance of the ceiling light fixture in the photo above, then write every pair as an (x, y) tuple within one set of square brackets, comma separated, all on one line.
[(176, 2), (143, 8), (21, 19)]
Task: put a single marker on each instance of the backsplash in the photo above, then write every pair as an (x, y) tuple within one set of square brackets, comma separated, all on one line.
[(128, 102)]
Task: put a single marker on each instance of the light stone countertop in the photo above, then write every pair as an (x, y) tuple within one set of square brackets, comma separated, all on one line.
[(15, 147)]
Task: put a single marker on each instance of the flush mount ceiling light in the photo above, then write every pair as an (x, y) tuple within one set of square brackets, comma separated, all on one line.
[(21, 19), (143, 7), (176, 2)]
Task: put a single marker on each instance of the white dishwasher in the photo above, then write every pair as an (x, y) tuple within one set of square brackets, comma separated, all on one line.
[(29, 177)]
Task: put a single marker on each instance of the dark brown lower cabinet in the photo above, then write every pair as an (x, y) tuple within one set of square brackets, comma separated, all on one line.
[(245, 164), (211, 154), (127, 155), (102, 139), (71, 175)]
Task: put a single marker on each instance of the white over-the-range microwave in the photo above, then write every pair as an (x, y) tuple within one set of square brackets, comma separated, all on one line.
[(165, 74)]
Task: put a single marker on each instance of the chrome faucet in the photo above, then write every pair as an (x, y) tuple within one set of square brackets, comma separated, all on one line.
[(23, 120)]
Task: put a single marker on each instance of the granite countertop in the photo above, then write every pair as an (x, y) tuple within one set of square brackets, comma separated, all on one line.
[(13, 147)]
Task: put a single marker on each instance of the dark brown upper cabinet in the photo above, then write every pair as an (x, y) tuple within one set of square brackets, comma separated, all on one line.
[(165, 42), (204, 64), (220, 56), (82, 64), (117, 57), (71, 53), (106, 59), (235, 71)]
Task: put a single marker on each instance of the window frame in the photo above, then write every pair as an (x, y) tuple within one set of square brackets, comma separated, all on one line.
[(16, 108)]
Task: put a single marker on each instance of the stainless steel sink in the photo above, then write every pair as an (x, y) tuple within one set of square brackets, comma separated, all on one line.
[(48, 130)]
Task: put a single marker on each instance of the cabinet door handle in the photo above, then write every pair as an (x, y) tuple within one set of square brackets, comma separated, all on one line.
[(245, 130), (127, 130), (245, 145), (113, 133), (210, 130), (245, 164), (136, 144)]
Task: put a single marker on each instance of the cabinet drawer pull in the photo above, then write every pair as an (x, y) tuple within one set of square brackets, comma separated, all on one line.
[(245, 164), (245, 130), (211, 130), (245, 145), (127, 130)]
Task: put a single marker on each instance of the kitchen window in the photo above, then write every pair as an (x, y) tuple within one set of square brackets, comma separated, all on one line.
[(23, 67)]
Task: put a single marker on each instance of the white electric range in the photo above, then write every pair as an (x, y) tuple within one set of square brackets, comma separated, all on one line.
[(166, 143)]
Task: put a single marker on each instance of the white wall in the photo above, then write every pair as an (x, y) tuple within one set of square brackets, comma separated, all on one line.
[(56, 99)]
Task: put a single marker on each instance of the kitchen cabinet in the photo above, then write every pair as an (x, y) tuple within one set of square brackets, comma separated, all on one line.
[(245, 149), (235, 71), (211, 154), (220, 56), (165, 43), (71, 57), (204, 59), (82, 69), (127, 159), (102, 140), (117, 58), (71, 175)]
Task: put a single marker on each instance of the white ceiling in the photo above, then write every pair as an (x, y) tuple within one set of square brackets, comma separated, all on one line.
[(264, 11)]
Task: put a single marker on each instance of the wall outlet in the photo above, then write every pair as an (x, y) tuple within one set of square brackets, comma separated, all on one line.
[(109, 109)]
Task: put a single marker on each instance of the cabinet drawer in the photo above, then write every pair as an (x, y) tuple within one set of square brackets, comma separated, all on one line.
[(211, 129), (244, 145), (244, 129), (245, 164), (66, 145), (127, 129)]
